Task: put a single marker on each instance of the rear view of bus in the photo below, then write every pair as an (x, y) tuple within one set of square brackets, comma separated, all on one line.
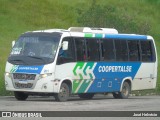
[(82, 61)]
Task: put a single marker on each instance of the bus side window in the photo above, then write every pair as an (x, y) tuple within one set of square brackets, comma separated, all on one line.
[(92, 49), (133, 47), (121, 50), (108, 51), (80, 49), (66, 56), (146, 51)]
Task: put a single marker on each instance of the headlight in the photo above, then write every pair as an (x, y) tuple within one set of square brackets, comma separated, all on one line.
[(8, 74), (44, 75)]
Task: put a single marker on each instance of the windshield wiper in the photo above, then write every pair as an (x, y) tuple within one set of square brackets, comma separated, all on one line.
[(36, 57), (18, 62)]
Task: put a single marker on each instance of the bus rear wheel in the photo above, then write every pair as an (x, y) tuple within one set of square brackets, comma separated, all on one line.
[(124, 94), (86, 95), (63, 94), (116, 95), (20, 96)]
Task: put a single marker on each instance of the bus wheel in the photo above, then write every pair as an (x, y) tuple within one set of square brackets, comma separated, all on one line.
[(116, 95), (63, 94), (86, 95), (126, 89), (20, 95), (124, 94)]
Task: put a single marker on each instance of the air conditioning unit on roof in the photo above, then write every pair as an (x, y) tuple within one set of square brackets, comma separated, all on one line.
[(93, 30)]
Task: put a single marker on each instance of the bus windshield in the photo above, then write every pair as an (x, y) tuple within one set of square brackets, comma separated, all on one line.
[(34, 49)]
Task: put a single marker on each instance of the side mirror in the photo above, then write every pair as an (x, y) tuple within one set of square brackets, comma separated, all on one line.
[(13, 43), (65, 45)]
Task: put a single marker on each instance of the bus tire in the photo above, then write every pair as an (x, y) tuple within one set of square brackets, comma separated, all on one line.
[(86, 95), (20, 95), (124, 94), (116, 95), (63, 94), (126, 89)]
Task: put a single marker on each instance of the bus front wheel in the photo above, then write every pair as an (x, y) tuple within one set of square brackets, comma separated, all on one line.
[(20, 95), (63, 94)]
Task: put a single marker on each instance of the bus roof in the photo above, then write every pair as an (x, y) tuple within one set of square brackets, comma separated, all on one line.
[(93, 30), (110, 36), (87, 32)]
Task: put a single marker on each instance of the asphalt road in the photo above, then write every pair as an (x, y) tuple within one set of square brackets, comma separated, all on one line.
[(98, 103)]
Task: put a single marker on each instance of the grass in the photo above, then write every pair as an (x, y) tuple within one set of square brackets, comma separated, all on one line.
[(145, 92), (18, 16)]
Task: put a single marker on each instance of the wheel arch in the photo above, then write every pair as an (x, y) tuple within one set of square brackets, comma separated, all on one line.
[(68, 82), (127, 79)]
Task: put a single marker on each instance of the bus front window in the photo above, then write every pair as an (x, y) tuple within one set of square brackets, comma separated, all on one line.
[(34, 50)]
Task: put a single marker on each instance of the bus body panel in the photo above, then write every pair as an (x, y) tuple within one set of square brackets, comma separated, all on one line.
[(97, 77), (145, 77)]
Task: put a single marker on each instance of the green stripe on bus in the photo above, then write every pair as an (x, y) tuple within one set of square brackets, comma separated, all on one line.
[(90, 65), (14, 68), (99, 35), (84, 86), (88, 35), (80, 65), (76, 83)]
